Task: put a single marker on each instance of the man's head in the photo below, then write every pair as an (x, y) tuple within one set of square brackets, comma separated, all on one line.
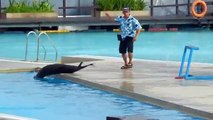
[(126, 12)]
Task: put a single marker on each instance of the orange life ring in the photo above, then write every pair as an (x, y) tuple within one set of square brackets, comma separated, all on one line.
[(196, 3)]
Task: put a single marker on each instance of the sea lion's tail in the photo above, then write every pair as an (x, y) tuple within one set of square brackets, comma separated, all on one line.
[(80, 64), (81, 67)]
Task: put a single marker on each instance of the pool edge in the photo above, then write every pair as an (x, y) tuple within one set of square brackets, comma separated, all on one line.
[(141, 97)]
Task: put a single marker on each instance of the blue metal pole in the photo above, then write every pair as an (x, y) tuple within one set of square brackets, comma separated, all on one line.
[(189, 63), (182, 62)]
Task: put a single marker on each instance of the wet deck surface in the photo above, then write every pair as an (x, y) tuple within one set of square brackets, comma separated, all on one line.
[(153, 79)]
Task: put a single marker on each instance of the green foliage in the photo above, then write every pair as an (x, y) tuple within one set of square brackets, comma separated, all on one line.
[(23, 6), (113, 5)]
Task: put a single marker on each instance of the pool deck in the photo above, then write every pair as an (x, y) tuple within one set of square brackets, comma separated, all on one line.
[(96, 21), (150, 81)]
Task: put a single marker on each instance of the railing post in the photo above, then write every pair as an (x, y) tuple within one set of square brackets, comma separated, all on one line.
[(79, 7), (0, 9), (64, 8), (177, 7), (94, 8), (151, 7), (188, 7)]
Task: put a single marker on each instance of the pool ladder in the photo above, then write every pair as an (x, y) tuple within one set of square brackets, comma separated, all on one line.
[(38, 45)]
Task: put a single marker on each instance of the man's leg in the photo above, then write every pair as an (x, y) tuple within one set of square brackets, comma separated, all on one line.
[(124, 58), (130, 50), (122, 50), (130, 55)]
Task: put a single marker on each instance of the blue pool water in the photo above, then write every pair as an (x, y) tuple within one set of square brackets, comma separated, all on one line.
[(150, 45), (57, 99)]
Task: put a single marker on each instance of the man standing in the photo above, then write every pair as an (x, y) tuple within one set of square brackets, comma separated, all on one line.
[(130, 29)]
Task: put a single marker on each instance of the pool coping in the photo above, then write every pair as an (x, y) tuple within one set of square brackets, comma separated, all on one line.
[(140, 97), (13, 117)]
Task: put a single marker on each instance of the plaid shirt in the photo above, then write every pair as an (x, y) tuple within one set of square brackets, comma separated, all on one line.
[(128, 26)]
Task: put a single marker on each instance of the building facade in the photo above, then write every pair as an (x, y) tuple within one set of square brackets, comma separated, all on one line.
[(183, 10), (70, 3)]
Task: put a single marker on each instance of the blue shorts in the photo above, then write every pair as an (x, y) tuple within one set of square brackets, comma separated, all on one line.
[(126, 45)]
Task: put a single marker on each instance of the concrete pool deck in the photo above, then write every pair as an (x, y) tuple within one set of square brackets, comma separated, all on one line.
[(149, 81)]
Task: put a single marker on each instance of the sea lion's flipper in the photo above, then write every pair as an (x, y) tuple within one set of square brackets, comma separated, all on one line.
[(80, 64), (86, 66)]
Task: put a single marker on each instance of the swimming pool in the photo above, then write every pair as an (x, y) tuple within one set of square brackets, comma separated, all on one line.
[(150, 45), (57, 99)]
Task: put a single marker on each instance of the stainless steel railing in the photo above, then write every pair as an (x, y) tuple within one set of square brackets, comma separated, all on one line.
[(38, 45), (50, 41)]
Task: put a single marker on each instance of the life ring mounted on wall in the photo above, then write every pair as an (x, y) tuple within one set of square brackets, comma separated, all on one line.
[(194, 6)]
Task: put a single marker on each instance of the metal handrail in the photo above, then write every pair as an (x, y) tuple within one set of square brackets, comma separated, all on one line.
[(53, 45), (27, 41)]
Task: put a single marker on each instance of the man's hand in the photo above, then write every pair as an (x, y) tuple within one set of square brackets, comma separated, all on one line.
[(109, 17), (136, 35), (107, 14), (134, 39)]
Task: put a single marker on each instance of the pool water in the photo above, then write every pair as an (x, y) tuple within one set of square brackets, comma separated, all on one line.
[(57, 99), (150, 45)]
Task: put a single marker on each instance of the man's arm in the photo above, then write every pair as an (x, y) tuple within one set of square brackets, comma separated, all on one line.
[(138, 28), (109, 17), (136, 35)]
